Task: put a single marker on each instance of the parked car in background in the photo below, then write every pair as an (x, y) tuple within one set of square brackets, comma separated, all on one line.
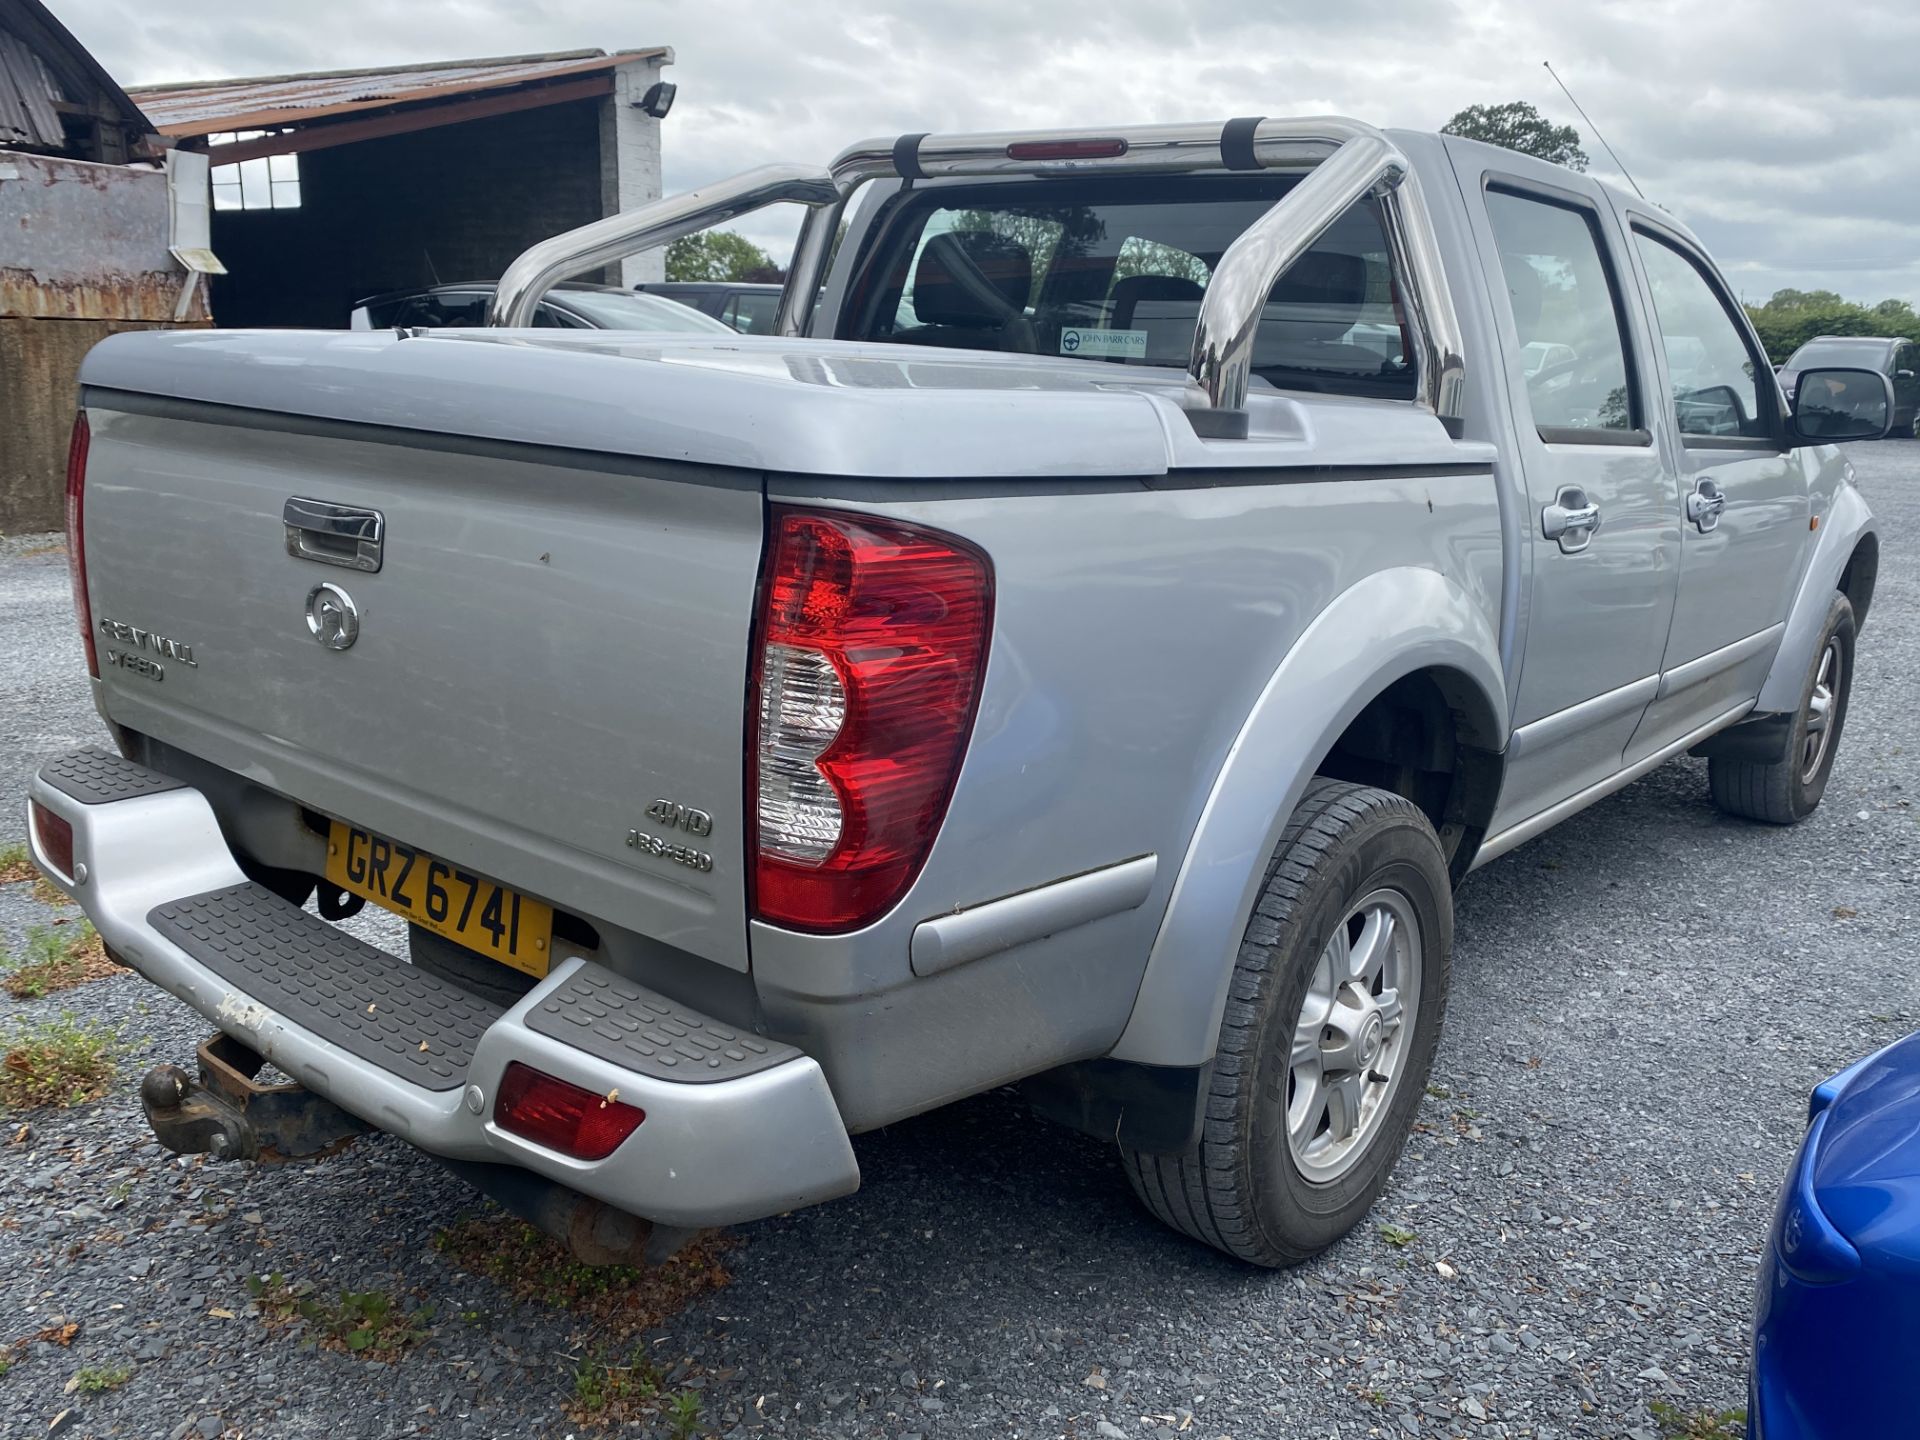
[(747, 308), (1896, 358), (567, 307), (1541, 355), (1837, 1316)]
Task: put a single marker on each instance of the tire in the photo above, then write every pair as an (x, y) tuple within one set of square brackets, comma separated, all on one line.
[(1785, 791), (457, 965), (1351, 857)]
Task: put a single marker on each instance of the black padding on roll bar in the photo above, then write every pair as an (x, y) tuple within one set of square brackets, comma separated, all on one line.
[(1236, 143), (906, 157)]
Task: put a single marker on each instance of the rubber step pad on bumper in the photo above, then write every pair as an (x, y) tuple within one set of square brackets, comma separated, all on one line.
[(385, 1011)]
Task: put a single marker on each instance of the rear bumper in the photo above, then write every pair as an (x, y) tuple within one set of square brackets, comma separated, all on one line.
[(710, 1152)]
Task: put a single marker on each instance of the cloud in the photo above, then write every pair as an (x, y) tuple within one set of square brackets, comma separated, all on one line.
[(1785, 148)]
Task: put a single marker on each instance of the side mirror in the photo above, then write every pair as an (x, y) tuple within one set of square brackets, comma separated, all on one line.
[(1834, 405)]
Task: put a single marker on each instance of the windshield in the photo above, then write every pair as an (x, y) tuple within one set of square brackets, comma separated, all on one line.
[(1115, 272), (617, 310), (1846, 354)]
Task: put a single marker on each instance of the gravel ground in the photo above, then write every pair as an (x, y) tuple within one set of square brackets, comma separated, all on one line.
[(1642, 999)]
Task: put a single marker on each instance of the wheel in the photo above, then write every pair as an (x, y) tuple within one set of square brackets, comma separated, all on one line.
[(457, 965), (1783, 791), (1329, 1032)]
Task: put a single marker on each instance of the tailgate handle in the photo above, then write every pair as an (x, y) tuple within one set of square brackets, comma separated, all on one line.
[(345, 535)]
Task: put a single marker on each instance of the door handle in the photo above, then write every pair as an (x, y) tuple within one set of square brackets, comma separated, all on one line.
[(1705, 504), (1571, 519), (346, 535)]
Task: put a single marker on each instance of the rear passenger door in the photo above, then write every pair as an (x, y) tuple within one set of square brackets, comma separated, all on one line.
[(1603, 545), (1740, 496)]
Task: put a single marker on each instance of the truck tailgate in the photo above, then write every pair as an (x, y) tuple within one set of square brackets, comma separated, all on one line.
[(552, 642)]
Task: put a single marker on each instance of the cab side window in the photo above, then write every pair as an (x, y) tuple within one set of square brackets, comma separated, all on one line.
[(1713, 372), (1567, 316)]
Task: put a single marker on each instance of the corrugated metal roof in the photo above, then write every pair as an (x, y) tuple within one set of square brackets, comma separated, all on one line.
[(27, 92), (253, 104), (42, 67)]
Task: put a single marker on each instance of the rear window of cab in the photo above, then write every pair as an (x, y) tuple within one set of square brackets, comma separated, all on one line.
[(1115, 272)]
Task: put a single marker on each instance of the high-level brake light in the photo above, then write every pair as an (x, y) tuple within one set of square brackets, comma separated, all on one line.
[(1089, 149)]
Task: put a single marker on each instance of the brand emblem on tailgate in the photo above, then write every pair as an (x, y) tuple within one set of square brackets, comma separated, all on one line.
[(332, 616), (160, 645)]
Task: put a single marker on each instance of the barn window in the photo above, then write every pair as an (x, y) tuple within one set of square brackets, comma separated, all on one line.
[(271, 182)]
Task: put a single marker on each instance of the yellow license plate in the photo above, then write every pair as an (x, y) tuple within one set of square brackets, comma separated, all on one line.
[(488, 919)]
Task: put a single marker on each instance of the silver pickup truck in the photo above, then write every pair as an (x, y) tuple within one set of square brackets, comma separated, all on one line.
[(1146, 571)]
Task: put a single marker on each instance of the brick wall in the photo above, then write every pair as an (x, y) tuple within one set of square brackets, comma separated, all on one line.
[(471, 196)]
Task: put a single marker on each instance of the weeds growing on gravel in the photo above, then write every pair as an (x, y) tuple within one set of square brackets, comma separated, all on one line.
[(619, 1395), (361, 1322), (618, 1299), (47, 893), (57, 962), (1396, 1236), (56, 1062), (15, 867), (1678, 1424), (92, 1379)]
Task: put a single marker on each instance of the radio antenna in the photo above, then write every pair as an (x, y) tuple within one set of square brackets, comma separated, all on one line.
[(1595, 128)]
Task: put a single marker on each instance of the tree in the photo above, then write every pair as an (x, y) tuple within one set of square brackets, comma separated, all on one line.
[(1790, 318), (1518, 126), (718, 255)]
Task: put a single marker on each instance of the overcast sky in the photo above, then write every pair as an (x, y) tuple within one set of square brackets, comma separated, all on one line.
[(1786, 140)]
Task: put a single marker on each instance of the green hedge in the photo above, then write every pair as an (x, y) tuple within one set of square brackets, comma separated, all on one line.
[(1793, 317)]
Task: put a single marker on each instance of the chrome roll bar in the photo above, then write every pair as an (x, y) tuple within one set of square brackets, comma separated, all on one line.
[(539, 269), (1345, 161)]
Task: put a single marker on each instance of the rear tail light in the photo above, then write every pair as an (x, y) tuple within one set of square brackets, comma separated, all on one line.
[(77, 534), (54, 837), (873, 640), (563, 1117)]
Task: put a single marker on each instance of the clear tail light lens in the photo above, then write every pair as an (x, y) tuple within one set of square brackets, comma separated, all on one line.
[(873, 642), (77, 535), (562, 1116)]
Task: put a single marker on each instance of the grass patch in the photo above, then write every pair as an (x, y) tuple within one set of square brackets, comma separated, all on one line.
[(15, 866), (1678, 1424), (369, 1323), (93, 1379), (47, 893), (58, 962), (622, 1394), (56, 1062), (617, 1299)]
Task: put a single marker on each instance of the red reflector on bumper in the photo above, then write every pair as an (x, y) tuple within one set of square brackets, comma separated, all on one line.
[(54, 837), (562, 1117)]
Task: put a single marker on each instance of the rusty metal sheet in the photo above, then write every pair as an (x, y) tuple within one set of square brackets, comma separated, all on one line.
[(190, 110), (80, 241)]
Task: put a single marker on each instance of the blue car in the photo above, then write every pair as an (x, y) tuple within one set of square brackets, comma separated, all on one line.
[(1837, 1320)]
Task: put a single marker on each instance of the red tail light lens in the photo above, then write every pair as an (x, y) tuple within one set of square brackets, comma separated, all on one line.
[(873, 640), (562, 1117), (1085, 149), (77, 534), (54, 837)]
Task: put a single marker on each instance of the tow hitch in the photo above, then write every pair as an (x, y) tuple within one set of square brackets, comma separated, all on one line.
[(228, 1114)]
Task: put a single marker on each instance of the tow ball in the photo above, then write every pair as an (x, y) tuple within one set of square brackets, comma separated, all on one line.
[(228, 1114)]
